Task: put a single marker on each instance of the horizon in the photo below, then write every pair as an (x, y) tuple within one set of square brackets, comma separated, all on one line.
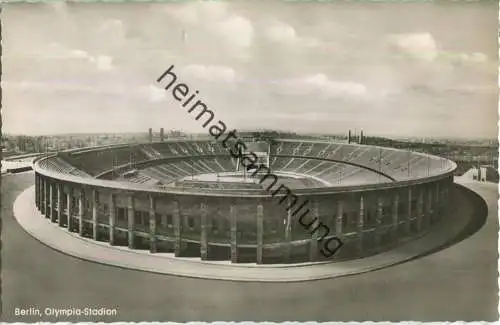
[(256, 130)]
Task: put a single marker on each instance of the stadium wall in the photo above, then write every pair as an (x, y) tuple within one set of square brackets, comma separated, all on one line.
[(239, 226)]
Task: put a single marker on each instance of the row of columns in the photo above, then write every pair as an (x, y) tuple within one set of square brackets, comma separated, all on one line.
[(46, 192)]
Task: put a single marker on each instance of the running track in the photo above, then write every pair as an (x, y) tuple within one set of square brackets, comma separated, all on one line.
[(457, 283)]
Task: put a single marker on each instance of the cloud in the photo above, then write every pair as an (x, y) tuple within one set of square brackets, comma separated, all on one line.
[(419, 45), (423, 46), (466, 58), (112, 26), (66, 86), (322, 85), (56, 51), (236, 31), (210, 72), (103, 62), (199, 12), (153, 93), (281, 32)]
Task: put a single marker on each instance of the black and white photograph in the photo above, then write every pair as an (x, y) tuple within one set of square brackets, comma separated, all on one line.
[(264, 161)]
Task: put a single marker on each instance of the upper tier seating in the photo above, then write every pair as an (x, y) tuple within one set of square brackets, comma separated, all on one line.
[(399, 165), (96, 162), (59, 165), (333, 161)]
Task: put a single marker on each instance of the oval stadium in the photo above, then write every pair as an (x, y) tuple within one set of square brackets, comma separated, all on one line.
[(301, 201)]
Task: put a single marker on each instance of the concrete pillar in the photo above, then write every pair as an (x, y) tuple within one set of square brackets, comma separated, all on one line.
[(408, 215), (420, 213), (40, 193), (47, 199), (53, 203), (361, 223), (80, 213), (36, 190), (313, 248), (95, 203), (131, 221), (59, 205), (395, 217), (204, 235), (430, 206), (234, 233), (152, 224), (338, 221), (69, 208), (177, 228), (378, 219), (260, 233), (112, 218), (287, 227), (437, 199), (444, 198)]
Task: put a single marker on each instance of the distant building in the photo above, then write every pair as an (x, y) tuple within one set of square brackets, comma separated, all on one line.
[(483, 173)]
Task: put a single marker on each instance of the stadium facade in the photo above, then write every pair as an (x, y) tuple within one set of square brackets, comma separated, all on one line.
[(191, 198)]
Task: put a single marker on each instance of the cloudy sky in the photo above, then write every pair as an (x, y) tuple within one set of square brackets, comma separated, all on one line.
[(401, 69)]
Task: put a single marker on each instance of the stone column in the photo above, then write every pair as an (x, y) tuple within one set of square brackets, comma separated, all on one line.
[(177, 228), (437, 202), (47, 199), (338, 221), (287, 230), (430, 206), (420, 214), (313, 248), (53, 215), (152, 224), (95, 203), (361, 224), (204, 237), (40, 192), (69, 207), (408, 216), (395, 217), (80, 213), (260, 233), (437, 192), (59, 205), (234, 233), (131, 221), (378, 222), (36, 191), (112, 218)]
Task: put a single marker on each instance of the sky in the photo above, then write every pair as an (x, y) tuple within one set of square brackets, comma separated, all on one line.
[(413, 69)]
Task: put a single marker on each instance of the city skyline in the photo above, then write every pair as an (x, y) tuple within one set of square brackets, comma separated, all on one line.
[(423, 73)]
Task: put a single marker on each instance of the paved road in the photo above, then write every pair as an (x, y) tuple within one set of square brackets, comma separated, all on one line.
[(457, 283)]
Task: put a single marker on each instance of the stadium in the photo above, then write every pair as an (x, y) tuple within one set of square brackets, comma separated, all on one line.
[(191, 198)]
